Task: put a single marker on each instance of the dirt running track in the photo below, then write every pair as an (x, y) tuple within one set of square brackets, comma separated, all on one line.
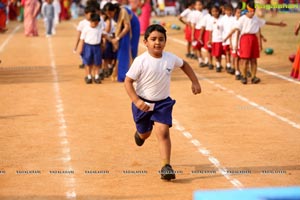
[(63, 139)]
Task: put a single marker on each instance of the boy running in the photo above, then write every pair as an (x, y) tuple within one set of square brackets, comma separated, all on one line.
[(151, 102)]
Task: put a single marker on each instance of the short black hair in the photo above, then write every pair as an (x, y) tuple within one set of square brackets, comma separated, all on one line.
[(95, 17), (89, 9), (155, 27)]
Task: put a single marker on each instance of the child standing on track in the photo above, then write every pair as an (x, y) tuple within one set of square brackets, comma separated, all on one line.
[(248, 27), (196, 19), (185, 18), (227, 21), (83, 23), (90, 48), (151, 102), (215, 39), (48, 14)]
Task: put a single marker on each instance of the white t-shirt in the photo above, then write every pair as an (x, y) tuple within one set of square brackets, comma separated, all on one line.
[(91, 35), (250, 25), (83, 23), (234, 35), (216, 27), (153, 75), (227, 23), (197, 17), (187, 13), (205, 20)]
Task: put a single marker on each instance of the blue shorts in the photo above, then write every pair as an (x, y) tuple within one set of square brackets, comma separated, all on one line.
[(91, 54), (162, 113)]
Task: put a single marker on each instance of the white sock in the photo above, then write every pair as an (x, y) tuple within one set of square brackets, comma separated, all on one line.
[(228, 65), (109, 66), (206, 60), (237, 72), (96, 76), (200, 60), (218, 64), (89, 76)]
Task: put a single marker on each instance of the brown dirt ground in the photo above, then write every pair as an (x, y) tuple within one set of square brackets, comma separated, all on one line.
[(92, 128)]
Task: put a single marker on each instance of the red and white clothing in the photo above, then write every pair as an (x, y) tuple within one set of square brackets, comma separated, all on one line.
[(204, 24), (227, 23), (215, 26), (249, 27), (234, 41), (187, 14), (196, 21)]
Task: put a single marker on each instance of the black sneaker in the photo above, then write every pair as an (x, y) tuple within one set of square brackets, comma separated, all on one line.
[(167, 173), (238, 77), (210, 66), (244, 80), (97, 81), (231, 71), (88, 80), (188, 55), (255, 80), (110, 71), (101, 75), (139, 141), (81, 66), (219, 69), (202, 64)]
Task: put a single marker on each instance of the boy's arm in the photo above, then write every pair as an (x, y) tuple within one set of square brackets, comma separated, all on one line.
[(196, 88), (77, 41), (80, 46), (281, 24), (139, 103), (230, 34)]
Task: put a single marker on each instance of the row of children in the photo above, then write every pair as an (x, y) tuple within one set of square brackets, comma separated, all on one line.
[(109, 35), (212, 32)]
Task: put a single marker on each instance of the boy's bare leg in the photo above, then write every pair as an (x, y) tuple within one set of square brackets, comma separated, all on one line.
[(253, 67), (164, 142)]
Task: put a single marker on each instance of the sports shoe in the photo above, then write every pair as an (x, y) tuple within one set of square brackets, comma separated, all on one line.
[(238, 77), (255, 80), (97, 81), (210, 66), (81, 66), (88, 80), (231, 71), (139, 141), (244, 80), (202, 64), (167, 173), (219, 69)]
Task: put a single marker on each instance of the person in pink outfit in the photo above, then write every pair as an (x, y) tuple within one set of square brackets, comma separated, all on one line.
[(31, 11), (144, 15)]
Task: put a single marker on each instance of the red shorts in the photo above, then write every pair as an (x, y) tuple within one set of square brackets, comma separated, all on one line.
[(226, 48), (216, 49), (197, 45), (188, 33), (206, 39), (249, 47)]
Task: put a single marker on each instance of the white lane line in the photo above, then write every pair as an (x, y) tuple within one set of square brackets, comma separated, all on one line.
[(9, 38), (259, 69), (255, 105), (66, 158), (201, 149), (278, 75)]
